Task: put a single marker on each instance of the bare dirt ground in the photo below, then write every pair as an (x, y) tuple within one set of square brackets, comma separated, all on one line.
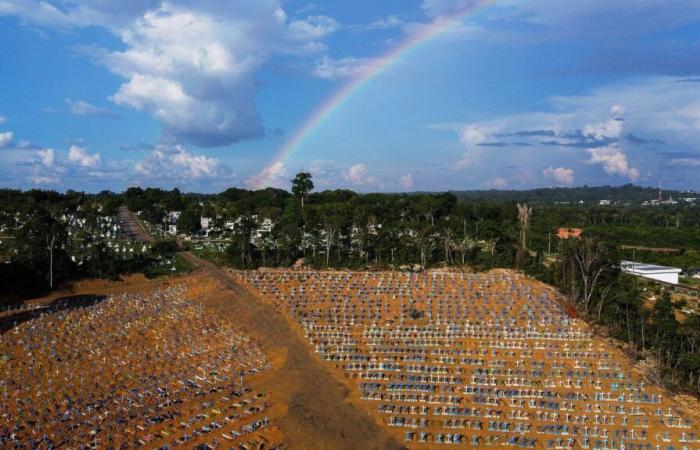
[(136, 364), (307, 407), (315, 411), (310, 403)]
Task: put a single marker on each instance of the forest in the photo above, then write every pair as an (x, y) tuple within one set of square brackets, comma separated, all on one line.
[(628, 193)]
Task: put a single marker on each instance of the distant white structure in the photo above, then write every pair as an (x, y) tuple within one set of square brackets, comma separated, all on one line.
[(670, 201), (172, 230), (265, 227), (651, 271), (604, 202), (205, 222)]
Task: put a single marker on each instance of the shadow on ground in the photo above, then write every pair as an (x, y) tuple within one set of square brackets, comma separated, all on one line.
[(12, 320)]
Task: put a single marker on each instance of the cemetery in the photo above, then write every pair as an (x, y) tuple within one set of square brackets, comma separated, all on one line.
[(158, 366), (488, 360)]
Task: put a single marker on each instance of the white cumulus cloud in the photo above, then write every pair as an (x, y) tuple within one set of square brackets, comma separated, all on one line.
[(192, 65), (47, 157), (474, 134), (613, 160), (81, 157), (6, 139), (177, 164), (471, 136), (274, 175), (560, 175), (630, 129), (358, 175), (312, 28), (603, 130)]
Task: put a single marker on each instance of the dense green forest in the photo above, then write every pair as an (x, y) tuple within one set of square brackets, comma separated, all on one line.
[(48, 239), (628, 193), (341, 228)]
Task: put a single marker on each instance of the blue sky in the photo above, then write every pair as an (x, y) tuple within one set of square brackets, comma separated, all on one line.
[(515, 94)]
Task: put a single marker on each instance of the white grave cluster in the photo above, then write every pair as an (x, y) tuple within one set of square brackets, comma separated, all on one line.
[(106, 229), (476, 360), (152, 370)]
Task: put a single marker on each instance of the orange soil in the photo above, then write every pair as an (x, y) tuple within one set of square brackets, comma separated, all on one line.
[(310, 403), (161, 361)]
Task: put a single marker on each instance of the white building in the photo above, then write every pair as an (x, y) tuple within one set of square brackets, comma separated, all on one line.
[(205, 222), (265, 227), (651, 271)]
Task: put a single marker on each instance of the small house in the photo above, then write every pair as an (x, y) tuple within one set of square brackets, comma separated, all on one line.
[(569, 233)]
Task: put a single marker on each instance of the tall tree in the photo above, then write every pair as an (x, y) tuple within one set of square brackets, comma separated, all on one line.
[(41, 241), (585, 262), (302, 185), (333, 217), (524, 215)]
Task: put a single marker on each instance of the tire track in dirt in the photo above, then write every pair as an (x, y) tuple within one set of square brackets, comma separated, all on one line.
[(317, 413)]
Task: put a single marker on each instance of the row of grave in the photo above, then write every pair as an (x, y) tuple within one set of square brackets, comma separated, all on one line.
[(126, 371), (496, 352)]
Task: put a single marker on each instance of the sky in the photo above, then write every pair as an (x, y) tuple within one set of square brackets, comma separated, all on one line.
[(390, 96)]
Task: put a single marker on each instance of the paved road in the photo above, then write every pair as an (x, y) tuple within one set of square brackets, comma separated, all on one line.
[(317, 414)]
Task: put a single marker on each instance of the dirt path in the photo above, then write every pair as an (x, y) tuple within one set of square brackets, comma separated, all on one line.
[(131, 225), (317, 414)]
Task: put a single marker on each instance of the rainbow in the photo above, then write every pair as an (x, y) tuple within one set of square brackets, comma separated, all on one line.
[(379, 65)]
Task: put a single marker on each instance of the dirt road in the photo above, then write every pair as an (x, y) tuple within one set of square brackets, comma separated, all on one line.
[(132, 228), (317, 414)]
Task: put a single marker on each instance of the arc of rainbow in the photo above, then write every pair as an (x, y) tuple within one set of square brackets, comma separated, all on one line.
[(379, 65)]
